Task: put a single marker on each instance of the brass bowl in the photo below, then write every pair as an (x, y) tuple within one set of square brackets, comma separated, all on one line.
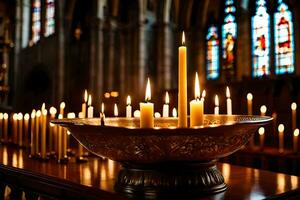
[(122, 140)]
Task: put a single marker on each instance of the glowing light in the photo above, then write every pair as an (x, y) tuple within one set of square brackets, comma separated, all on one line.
[(71, 115), (197, 87), (174, 112), (148, 91), (85, 96), (203, 94), (20, 116), (227, 92), (116, 111), (263, 109), (136, 113), (62, 105), (183, 38), (280, 128), (157, 115), (293, 106), (32, 114), (249, 96), (90, 100), (26, 116), (128, 101), (261, 131), (102, 108), (52, 110), (296, 132), (216, 100), (5, 116), (167, 99)]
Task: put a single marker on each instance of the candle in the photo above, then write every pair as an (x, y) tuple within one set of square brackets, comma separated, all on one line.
[(157, 115), (116, 112), (37, 129), (60, 153), (174, 112), (295, 140), (281, 137), (228, 101), (196, 106), (128, 107), (52, 136), (249, 103), (166, 106), (26, 122), (43, 136), (15, 128), (90, 108), (5, 117), (147, 110), (261, 132), (294, 115), (203, 98), (20, 122), (216, 105), (32, 136), (263, 110), (62, 108), (136, 113), (1, 126), (83, 107), (182, 84)]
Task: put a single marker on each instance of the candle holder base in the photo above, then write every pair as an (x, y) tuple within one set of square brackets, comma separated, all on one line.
[(188, 179), (63, 160), (81, 159)]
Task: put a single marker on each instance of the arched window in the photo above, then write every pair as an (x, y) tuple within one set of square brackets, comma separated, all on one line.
[(229, 35), (260, 25), (212, 53), (50, 20), (284, 40), (36, 20)]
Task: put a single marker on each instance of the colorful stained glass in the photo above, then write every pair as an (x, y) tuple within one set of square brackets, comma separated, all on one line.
[(36, 20), (50, 17), (260, 25), (212, 55), (284, 40), (229, 35)]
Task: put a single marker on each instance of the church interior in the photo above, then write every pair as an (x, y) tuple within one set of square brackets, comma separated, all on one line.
[(147, 99)]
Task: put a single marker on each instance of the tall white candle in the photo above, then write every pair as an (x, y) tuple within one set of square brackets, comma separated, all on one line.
[(263, 110), (166, 106), (52, 135), (15, 128), (216, 105), (228, 101), (26, 124), (147, 110), (116, 111), (37, 131), (5, 117), (249, 103), (90, 108), (20, 120), (281, 137), (128, 107), (43, 138), (295, 140), (32, 135), (294, 115)]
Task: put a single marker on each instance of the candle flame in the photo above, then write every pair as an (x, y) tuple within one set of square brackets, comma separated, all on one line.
[(197, 87), (33, 114), (15, 116), (62, 105), (1, 116), (26, 116), (296, 132), (45, 112), (148, 91), (128, 101), (90, 100), (85, 96), (249, 96), (227, 92), (183, 38), (20, 116), (174, 112), (116, 112), (60, 116), (263, 109), (102, 108), (261, 131), (216, 100), (280, 128), (167, 98), (5, 116), (52, 110), (203, 94), (293, 106), (43, 107), (38, 113)]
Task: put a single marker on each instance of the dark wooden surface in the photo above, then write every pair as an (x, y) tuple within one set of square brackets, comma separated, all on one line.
[(96, 178)]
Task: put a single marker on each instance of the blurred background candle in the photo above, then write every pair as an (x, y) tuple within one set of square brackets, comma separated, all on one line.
[(62, 108), (20, 129), (32, 133), (249, 103), (128, 107), (60, 138), (26, 124), (90, 108), (43, 135), (281, 137), (203, 98), (196, 106), (182, 85), (5, 134), (157, 115), (294, 115), (83, 106), (136, 113), (263, 110), (166, 105), (147, 109), (15, 128), (37, 130), (1, 127), (261, 132), (174, 112), (295, 140), (228, 101), (52, 136), (216, 105), (116, 111)]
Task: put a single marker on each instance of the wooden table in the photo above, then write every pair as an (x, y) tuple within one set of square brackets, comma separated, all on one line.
[(96, 178)]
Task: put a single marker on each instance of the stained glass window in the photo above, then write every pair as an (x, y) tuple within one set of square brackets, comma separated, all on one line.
[(50, 17), (229, 34), (260, 25), (212, 55), (36, 20), (284, 41)]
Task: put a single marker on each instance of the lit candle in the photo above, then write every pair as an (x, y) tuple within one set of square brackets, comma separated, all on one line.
[(83, 106), (174, 112), (263, 110), (5, 117), (15, 128), (157, 115), (249, 103), (62, 108), (128, 107), (20, 122), (32, 136), (294, 115), (261, 132), (281, 137), (136, 113), (52, 135), (203, 98), (43, 137), (228, 101), (216, 105), (26, 122), (60, 138), (196, 106), (90, 108), (295, 140), (116, 111), (166, 106), (37, 129), (182, 84), (1, 126), (147, 110)]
